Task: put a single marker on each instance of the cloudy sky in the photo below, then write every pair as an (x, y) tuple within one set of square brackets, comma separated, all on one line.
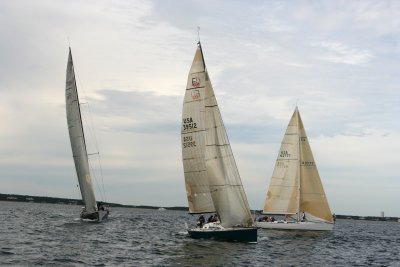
[(338, 60)]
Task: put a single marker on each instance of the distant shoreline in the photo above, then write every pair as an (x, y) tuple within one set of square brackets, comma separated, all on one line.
[(67, 201)]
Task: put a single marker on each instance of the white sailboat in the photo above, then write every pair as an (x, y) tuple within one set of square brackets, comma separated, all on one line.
[(91, 210), (296, 190), (212, 180)]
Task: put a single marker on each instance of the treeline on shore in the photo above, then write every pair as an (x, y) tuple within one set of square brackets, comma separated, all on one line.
[(68, 201)]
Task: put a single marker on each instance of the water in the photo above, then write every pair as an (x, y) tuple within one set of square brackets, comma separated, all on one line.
[(51, 234)]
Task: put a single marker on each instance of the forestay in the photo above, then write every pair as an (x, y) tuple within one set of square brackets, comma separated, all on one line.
[(77, 138)]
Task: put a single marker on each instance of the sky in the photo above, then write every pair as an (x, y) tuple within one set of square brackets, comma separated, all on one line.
[(337, 60)]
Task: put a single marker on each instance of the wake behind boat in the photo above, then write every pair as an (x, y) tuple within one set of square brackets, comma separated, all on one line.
[(296, 190), (213, 184), (92, 210)]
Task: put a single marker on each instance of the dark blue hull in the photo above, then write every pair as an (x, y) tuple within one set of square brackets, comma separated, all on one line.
[(232, 234)]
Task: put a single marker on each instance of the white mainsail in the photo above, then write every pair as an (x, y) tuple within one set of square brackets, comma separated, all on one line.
[(77, 138), (212, 180), (295, 185)]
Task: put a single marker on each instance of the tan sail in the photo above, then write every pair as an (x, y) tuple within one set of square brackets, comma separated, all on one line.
[(313, 200), (212, 179), (193, 140), (225, 184), (282, 196), (283, 193)]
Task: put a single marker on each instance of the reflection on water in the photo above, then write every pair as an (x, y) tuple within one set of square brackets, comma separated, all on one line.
[(51, 234)]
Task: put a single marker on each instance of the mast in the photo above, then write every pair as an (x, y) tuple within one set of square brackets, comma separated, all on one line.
[(298, 164)]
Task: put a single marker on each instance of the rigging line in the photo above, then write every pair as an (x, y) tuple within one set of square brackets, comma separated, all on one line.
[(96, 179), (90, 126), (89, 123), (98, 149), (94, 176), (102, 179)]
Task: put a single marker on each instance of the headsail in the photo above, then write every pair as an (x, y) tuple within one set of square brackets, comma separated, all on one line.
[(312, 199), (77, 138), (209, 165)]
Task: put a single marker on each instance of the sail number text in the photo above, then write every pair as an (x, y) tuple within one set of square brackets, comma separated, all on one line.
[(188, 142), (280, 164), (284, 154), (188, 124)]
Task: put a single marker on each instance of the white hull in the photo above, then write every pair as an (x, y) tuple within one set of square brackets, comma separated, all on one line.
[(305, 226)]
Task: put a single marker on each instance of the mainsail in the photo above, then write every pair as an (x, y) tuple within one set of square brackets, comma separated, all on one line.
[(295, 185), (212, 180), (77, 138), (282, 196)]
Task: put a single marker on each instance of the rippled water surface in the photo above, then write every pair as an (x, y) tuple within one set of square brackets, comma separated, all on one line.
[(52, 234)]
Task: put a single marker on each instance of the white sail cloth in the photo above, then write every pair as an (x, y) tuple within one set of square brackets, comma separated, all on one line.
[(77, 139), (212, 180)]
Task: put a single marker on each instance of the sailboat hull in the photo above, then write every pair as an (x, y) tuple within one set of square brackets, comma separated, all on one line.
[(239, 234), (95, 216), (306, 226)]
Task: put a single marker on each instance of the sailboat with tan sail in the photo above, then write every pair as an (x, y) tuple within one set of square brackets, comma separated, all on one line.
[(296, 190), (212, 180), (95, 211)]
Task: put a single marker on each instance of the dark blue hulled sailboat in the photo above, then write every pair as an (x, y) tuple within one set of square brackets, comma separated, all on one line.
[(213, 183)]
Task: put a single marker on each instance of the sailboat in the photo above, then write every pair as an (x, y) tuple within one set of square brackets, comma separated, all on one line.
[(296, 190), (92, 210), (212, 180)]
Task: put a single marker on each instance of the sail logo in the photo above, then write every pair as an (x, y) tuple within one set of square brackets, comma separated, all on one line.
[(195, 81), (195, 94)]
